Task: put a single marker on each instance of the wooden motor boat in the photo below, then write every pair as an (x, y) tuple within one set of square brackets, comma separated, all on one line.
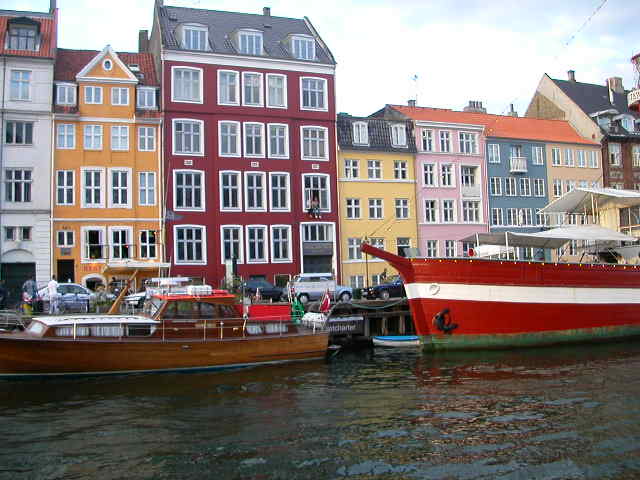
[(176, 332)]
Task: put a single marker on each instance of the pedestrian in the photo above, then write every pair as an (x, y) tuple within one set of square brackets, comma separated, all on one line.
[(52, 290), (30, 287)]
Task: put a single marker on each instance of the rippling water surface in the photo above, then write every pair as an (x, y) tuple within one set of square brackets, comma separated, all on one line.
[(560, 413)]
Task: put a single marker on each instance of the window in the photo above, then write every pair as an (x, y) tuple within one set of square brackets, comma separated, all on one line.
[(512, 216), (356, 281), (66, 136), (400, 171), (429, 174), (119, 96), (303, 48), (92, 188), (635, 155), (374, 170), (276, 91), (107, 64), (119, 188), (431, 249), (448, 211), (315, 232), (65, 94), (65, 238), (571, 185), (470, 211), (446, 175), (256, 244), (281, 243), (252, 89), (64, 187), (316, 187), (253, 139), (494, 153), (399, 135), (120, 243), (279, 191), (403, 244), (186, 85), (350, 168), (615, 154), (120, 137), (557, 187), (375, 209), (449, 248), (468, 143), (250, 42), (526, 216), (568, 157), (146, 97), (525, 187), (187, 137), (538, 187), (496, 217), (255, 191), (148, 244), (495, 186), (190, 244), (231, 242), (17, 185), (582, 160), (468, 176), (313, 93), (229, 138), (18, 133), (93, 95), (538, 155), (556, 161), (353, 208), (593, 159), (188, 190), (146, 188), (94, 243), (228, 88), (360, 133), (22, 37), (510, 187), (353, 248), (93, 137), (20, 85), (314, 143), (430, 211), (146, 139), (194, 38), (230, 191), (445, 141), (427, 140), (541, 219), (402, 208)]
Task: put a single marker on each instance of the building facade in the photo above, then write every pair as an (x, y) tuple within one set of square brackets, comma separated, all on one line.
[(377, 194), (107, 188), (27, 50), (249, 112)]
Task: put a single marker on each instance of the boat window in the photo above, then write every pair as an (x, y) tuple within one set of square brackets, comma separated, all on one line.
[(186, 310), (36, 328), (140, 330), (107, 330), (67, 331), (254, 329), (276, 328)]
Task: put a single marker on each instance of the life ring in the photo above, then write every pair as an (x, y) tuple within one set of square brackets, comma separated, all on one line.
[(442, 321)]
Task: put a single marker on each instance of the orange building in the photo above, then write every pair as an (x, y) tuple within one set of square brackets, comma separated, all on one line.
[(107, 191)]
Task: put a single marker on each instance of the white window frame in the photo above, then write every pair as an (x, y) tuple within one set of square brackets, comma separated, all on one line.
[(93, 135), (203, 241), (433, 173), (21, 88), (441, 211), (146, 188), (238, 188), (65, 238), (65, 136), (265, 244), (524, 186), (353, 249), (360, 132), (174, 133), (493, 183), (352, 207), (63, 92), (236, 91), (436, 211), (199, 29), (310, 47), (431, 248), (111, 245), (538, 155), (377, 206), (427, 137), (173, 82), (539, 189), (615, 157), (117, 94), (110, 187), (284, 91), (493, 153), (374, 169), (400, 170), (478, 210), (116, 132), (145, 93), (93, 89), (325, 158), (104, 245), (444, 139), (270, 153), (23, 126), (239, 137), (468, 141), (512, 181), (66, 188), (286, 208), (147, 244), (402, 205), (351, 168), (144, 139), (102, 189), (452, 174), (499, 217), (264, 194), (556, 157), (399, 135), (327, 180), (244, 140), (260, 102), (250, 33), (203, 177), (240, 229), (325, 95), (289, 258), (593, 159)]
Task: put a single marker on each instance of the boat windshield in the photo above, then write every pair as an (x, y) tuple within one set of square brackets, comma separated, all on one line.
[(151, 306)]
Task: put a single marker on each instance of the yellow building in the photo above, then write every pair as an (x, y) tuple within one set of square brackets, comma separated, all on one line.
[(376, 191), (107, 191)]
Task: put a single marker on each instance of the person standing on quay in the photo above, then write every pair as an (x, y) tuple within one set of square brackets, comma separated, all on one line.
[(52, 290)]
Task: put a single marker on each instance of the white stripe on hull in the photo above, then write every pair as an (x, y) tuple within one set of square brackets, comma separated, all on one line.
[(522, 294)]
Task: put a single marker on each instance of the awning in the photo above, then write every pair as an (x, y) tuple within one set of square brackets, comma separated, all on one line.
[(584, 200), (511, 239), (128, 267)]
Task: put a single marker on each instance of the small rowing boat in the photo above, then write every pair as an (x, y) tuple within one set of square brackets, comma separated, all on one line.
[(396, 341)]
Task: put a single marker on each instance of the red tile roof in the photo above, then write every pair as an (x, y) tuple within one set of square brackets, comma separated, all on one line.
[(501, 126), (70, 62), (48, 33)]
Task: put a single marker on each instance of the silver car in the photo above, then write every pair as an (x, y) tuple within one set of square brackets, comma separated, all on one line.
[(72, 297)]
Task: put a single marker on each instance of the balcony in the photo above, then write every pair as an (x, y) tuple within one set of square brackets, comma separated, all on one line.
[(518, 164), (633, 99)]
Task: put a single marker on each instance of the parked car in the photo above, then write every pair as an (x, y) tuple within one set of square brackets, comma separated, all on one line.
[(267, 290), (311, 286), (393, 288), (72, 297)]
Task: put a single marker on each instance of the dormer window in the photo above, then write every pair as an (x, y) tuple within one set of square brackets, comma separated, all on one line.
[(65, 94), (146, 97), (360, 133), (195, 37), (250, 42), (398, 136), (303, 47), (604, 122), (23, 34), (627, 124)]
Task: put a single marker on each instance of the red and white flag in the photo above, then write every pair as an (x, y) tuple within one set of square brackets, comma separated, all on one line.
[(325, 302)]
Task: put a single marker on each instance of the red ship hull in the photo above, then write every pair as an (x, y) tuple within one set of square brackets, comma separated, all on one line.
[(463, 304)]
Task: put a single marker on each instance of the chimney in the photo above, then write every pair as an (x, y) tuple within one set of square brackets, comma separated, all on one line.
[(512, 112), (474, 106), (411, 103), (266, 11), (615, 84), (53, 4), (143, 41), (571, 74)]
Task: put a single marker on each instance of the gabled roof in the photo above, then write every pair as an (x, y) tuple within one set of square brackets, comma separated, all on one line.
[(47, 32), (379, 134), (71, 62), (499, 126), (222, 25)]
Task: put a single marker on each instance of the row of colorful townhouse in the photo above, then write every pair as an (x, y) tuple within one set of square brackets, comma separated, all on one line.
[(215, 148)]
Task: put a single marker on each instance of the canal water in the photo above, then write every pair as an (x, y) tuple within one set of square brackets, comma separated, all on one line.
[(555, 413)]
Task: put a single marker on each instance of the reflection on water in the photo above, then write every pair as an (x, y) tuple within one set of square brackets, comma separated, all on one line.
[(547, 414)]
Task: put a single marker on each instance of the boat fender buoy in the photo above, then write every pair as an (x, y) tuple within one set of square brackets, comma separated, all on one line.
[(434, 288), (442, 321)]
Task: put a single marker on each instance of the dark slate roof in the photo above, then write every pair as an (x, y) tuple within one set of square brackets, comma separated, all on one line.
[(379, 134), (222, 25)]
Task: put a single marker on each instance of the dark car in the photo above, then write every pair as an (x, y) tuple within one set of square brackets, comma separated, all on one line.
[(383, 291), (267, 290)]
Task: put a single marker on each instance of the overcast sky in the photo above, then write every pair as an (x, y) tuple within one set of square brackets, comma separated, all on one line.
[(460, 50)]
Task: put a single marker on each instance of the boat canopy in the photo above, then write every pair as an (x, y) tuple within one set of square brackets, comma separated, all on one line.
[(586, 200)]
